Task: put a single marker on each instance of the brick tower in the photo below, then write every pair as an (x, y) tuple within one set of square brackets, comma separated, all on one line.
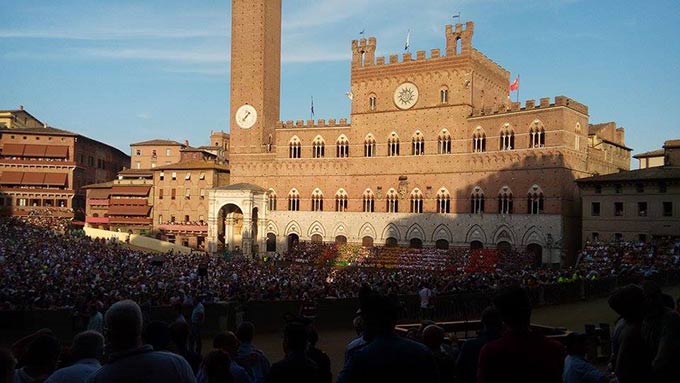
[(255, 75)]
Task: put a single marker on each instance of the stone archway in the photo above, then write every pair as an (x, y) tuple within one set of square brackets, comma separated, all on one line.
[(230, 228)]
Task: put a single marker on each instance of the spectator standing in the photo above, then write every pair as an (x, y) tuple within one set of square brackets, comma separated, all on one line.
[(40, 359), (433, 338), (319, 357), (466, 366), (295, 366), (179, 336), (387, 357), (228, 343), (216, 367), (197, 320), (661, 333), (426, 297), (576, 368), (87, 351), (129, 359), (248, 356), (520, 355), (96, 321)]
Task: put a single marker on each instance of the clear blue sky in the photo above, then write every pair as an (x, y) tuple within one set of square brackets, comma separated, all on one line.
[(123, 71)]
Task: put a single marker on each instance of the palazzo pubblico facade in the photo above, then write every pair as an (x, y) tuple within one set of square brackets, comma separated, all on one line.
[(434, 153)]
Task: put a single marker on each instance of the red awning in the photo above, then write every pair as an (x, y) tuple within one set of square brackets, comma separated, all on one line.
[(130, 210), (34, 178), (131, 190), (58, 179), (11, 178), (35, 150), (13, 150), (56, 151), (98, 193), (129, 201)]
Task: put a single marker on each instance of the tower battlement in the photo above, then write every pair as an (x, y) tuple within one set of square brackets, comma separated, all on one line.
[(321, 123), (544, 103)]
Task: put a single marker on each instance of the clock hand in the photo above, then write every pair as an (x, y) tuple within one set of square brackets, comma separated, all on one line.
[(246, 116)]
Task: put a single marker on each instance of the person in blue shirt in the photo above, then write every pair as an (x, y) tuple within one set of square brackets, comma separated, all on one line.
[(576, 368), (248, 356), (87, 351)]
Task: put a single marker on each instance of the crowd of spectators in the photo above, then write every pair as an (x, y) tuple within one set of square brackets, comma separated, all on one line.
[(645, 348), (45, 269)]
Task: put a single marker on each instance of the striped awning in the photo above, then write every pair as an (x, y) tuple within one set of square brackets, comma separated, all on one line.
[(130, 210), (56, 151), (56, 179), (30, 178), (11, 178), (16, 150), (35, 150), (131, 190), (99, 193)]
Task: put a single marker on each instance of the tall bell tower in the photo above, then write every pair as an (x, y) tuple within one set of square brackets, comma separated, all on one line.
[(255, 75)]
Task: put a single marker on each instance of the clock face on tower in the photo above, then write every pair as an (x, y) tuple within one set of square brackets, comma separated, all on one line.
[(406, 95), (246, 116)]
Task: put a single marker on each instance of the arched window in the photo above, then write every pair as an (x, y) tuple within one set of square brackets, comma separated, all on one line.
[(477, 201), (577, 137), (507, 138), (444, 142), (368, 201), (293, 200), (393, 145), (417, 144), (272, 200), (318, 147), (444, 95), (372, 102), (443, 201), (416, 201), (535, 200), (392, 201), (479, 140), (342, 147), (341, 200), (537, 135), (369, 146), (317, 200), (294, 147), (505, 201)]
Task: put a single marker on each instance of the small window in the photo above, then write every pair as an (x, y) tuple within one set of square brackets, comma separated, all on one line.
[(168, 152), (372, 103), (162, 176), (186, 218), (202, 196), (174, 176), (160, 193), (668, 209), (201, 176), (187, 193), (618, 209), (444, 96), (187, 177), (138, 165), (173, 193), (596, 236), (160, 219), (642, 209), (595, 209), (138, 152)]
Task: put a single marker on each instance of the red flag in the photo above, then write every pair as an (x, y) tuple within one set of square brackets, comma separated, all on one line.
[(515, 84)]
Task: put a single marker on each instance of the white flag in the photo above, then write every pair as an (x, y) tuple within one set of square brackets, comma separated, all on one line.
[(408, 39)]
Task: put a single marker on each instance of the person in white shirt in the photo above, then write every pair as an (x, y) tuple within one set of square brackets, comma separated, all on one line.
[(88, 349), (426, 309)]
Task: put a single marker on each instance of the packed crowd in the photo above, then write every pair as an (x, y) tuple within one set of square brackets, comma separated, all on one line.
[(44, 269), (645, 347)]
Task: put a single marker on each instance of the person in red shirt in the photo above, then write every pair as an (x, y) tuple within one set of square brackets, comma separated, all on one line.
[(520, 355)]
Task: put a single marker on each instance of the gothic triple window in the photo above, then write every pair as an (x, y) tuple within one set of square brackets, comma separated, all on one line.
[(341, 200), (479, 140), (444, 142), (272, 200), (507, 138), (318, 147), (368, 201), (416, 201), (444, 96), (417, 144), (342, 147), (294, 148), (477, 201), (393, 145), (505, 201), (317, 200), (392, 201), (293, 200), (369, 146), (443, 201), (537, 135), (372, 103), (535, 200)]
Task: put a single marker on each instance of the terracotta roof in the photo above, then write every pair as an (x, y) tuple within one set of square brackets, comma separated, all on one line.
[(653, 153), (647, 174), (99, 185), (98, 193), (155, 142), (671, 144), (136, 172), (43, 131), (130, 190), (189, 165)]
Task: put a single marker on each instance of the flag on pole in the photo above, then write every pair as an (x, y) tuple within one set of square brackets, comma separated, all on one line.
[(312, 107), (362, 31), (408, 40), (515, 84), (456, 16)]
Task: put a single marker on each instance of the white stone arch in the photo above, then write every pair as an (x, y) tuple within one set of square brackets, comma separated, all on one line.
[(272, 228), (391, 230), (318, 139), (504, 233), (367, 230), (294, 140), (533, 235), (415, 231), (293, 228), (340, 229), (316, 228), (476, 233), (442, 232)]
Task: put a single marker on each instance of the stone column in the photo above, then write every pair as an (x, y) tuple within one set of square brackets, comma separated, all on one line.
[(229, 233), (262, 235), (246, 236)]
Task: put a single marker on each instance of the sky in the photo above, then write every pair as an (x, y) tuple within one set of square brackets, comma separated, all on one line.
[(122, 71)]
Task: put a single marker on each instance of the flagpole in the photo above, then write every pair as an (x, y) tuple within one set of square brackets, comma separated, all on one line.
[(518, 85)]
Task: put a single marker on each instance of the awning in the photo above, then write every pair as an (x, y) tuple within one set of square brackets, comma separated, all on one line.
[(34, 178), (58, 179), (35, 150), (130, 210), (129, 201), (98, 193), (11, 178), (56, 151), (16, 150), (130, 190)]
